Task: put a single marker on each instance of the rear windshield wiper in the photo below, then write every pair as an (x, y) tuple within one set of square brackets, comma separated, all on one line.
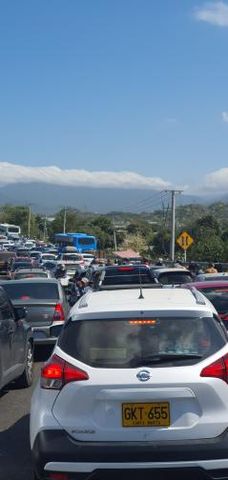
[(162, 358)]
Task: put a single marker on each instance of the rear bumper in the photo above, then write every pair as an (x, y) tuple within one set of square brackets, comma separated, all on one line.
[(56, 451), (44, 335)]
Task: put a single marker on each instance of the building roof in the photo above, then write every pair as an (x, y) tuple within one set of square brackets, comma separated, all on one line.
[(126, 254)]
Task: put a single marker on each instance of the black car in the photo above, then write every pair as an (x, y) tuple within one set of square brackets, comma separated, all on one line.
[(45, 303), (16, 344), (123, 276), (172, 275)]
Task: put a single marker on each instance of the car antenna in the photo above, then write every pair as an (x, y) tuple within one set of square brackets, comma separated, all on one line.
[(140, 282)]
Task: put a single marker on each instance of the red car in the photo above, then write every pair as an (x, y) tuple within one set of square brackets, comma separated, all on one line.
[(217, 292)]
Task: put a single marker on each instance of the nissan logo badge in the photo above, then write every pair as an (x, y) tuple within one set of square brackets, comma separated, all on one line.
[(143, 375)]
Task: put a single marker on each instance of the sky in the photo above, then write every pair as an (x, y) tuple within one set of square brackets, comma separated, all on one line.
[(108, 93)]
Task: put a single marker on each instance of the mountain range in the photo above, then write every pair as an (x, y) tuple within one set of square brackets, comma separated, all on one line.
[(48, 199)]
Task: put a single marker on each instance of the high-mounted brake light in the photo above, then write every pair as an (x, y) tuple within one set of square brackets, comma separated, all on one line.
[(125, 269), (57, 372), (218, 369), (142, 322), (58, 313)]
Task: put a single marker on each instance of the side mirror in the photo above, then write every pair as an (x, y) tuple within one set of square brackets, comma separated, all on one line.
[(20, 313)]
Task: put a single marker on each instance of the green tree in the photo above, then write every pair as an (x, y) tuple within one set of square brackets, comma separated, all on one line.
[(208, 248)]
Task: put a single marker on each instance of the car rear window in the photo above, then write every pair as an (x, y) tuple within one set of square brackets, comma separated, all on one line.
[(219, 298), (126, 276), (170, 278), (140, 342), (27, 291), (19, 276), (71, 257), (17, 265)]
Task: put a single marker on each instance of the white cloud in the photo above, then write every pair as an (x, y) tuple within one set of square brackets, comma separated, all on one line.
[(215, 13), (217, 181), (11, 173), (225, 117)]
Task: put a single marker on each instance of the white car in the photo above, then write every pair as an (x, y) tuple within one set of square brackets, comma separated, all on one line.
[(88, 258), (71, 258), (136, 387), (50, 257)]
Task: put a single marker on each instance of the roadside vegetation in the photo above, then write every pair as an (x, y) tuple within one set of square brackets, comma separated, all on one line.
[(147, 233)]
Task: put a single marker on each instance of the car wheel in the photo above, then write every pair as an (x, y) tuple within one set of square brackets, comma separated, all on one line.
[(26, 379)]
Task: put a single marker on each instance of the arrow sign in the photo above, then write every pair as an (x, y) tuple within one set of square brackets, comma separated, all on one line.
[(184, 240)]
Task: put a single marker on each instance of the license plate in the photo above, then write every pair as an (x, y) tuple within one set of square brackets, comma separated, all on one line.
[(146, 414), (38, 334)]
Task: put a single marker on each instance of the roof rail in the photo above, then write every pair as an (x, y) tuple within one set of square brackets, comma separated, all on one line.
[(129, 287), (197, 295), (83, 302)]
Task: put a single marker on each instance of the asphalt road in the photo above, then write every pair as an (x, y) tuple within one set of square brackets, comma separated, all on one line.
[(15, 459)]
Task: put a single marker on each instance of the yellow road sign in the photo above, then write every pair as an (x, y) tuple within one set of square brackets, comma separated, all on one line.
[(184, 240)]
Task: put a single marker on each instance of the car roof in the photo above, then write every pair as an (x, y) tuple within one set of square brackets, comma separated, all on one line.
[(171, 269), (126, 265), (30, 280), (31, 270), (126, 301), (210, 275), (207, 284)]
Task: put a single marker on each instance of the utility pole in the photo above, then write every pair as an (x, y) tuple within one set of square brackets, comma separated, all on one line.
[(173, 221), (114, 235), (115, 240), (29, 220), (64, 220), (45, 228)]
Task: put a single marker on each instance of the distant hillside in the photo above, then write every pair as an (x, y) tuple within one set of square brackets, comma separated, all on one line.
[(47, 199)]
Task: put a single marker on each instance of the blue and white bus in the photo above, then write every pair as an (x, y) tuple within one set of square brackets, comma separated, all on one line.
[(81, 241)]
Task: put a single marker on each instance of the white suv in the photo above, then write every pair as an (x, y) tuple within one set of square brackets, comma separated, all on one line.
[(136, 385)]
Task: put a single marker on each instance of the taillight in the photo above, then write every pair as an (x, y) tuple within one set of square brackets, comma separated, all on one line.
[(58, 476), (218, 369), (57, 372), (224, 316), (58, 313)]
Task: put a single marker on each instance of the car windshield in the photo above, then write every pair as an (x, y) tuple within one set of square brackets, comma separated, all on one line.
[(27, 291), (141, 342)]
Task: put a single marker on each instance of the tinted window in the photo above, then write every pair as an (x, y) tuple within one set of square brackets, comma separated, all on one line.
[(18, 265), (22, 253), (27, 291), (126, 276), (170, 278), (71, 257), (219, 298), (86, 241), (129, 343), (13, 229), (19, 276)]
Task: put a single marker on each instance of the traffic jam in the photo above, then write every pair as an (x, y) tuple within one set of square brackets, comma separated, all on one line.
[(110, 367)]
